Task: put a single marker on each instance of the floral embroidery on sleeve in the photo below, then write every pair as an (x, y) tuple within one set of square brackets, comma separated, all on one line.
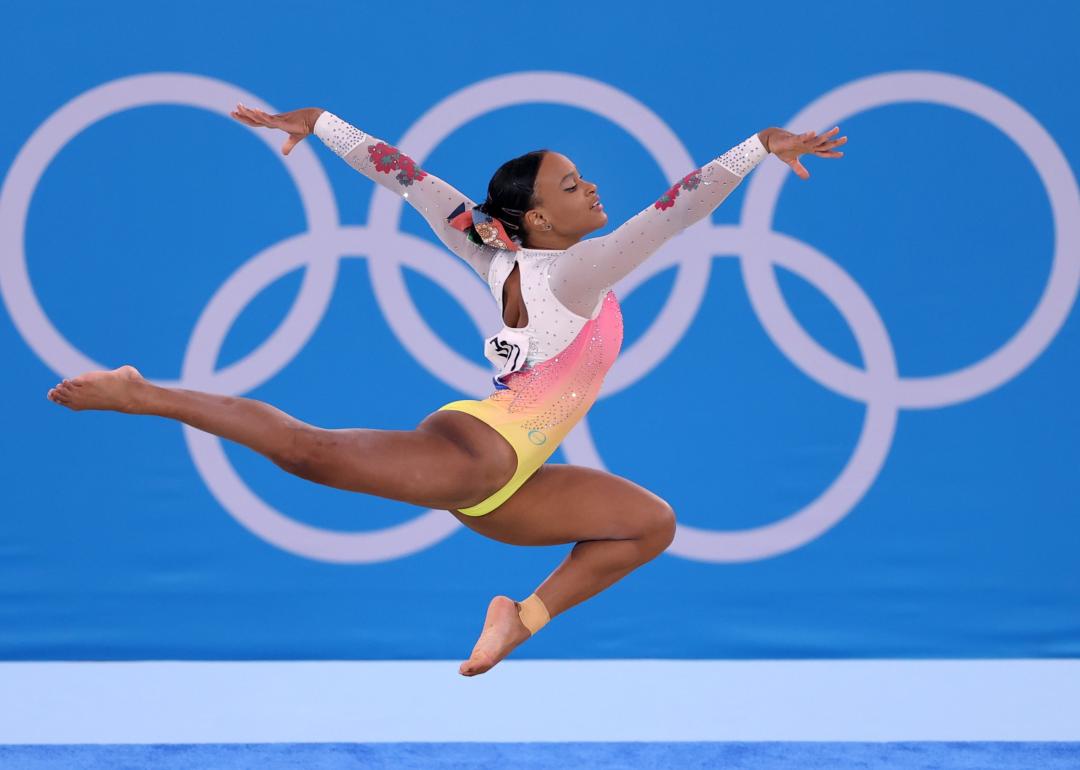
[(386, 159), (688, 182)]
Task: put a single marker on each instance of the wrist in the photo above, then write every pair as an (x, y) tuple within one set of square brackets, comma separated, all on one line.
[(311, 117), (765, 134)]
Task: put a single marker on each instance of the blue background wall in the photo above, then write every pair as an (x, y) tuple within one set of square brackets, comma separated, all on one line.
[(964, 544)]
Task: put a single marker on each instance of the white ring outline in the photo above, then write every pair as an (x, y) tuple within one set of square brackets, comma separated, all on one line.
[(879, 386), (316, 195), (885, 387), (208, 453), (1045, 320)]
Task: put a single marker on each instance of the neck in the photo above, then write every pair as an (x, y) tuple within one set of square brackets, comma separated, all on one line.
[(553, 241)]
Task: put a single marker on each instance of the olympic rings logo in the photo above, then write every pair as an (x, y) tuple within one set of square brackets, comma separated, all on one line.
[(752, 241)]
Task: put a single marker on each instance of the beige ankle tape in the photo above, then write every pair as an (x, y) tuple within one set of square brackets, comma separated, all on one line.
[(533, 613)]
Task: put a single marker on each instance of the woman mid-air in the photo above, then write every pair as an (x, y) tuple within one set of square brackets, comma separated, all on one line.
[(484, 460)]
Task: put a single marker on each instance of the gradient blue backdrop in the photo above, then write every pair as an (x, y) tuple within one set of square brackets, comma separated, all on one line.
[(111, 546)]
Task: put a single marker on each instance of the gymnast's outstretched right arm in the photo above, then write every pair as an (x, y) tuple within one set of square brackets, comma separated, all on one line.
[(385, 165)]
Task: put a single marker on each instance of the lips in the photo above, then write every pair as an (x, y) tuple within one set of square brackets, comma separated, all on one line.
[(597, 205)]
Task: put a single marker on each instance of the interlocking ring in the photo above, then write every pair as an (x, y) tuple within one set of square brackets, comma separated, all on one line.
[(753, 242)]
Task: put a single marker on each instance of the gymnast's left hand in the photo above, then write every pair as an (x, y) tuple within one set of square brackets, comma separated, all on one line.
[(298, 124), (788, 146)]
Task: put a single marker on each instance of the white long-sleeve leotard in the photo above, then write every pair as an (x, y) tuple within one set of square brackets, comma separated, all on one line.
[(561, 289)]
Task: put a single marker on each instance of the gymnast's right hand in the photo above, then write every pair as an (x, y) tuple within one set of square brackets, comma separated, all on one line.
[(298, 124)]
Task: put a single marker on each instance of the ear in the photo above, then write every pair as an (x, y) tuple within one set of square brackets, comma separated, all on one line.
[(534, 219)]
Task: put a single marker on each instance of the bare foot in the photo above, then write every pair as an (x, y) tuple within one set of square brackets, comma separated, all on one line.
[(99, 390), (503, 631)]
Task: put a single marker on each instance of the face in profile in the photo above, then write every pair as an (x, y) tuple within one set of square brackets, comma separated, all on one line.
[(568, 203)]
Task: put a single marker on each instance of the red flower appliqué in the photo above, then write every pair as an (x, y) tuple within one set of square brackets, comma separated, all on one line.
[(387, 159), (688, 182)]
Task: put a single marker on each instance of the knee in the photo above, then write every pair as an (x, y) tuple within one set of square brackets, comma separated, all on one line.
[(661, 527)]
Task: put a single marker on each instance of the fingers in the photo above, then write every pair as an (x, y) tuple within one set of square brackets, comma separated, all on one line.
[(242, 114), (244, 119), (819, 141), (799, 169), (810, 143), (811, 138), (256, 115), (825, 150), (822, 146), (259, 119), (824, 142), (253, 117)]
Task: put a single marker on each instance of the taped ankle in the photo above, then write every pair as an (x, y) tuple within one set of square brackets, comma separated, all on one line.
[(533, 613)]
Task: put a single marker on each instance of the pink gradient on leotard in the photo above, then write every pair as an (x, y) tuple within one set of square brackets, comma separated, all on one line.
[(549, 397)]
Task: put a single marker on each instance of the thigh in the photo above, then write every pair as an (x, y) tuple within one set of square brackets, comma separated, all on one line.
[(476, 438), (570, 503)]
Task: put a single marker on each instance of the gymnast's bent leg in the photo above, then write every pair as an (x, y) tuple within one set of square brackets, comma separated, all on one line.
[(421, 467), (616, 525)]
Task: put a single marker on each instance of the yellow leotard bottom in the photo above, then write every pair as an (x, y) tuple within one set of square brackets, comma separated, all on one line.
[(532, 447)]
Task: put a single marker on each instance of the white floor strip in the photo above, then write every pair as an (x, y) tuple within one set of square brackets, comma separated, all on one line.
[(578, 700)]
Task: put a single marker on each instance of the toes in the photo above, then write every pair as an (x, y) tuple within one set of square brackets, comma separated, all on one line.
[(61, 393), (468, 667), (474, 666)]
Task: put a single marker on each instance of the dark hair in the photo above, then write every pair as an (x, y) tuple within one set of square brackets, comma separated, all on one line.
[(511, 192)]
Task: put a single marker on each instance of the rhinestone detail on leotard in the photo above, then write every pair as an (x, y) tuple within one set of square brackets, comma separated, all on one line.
[(564, 387), (339, 135), (561, 289), (742, 158)]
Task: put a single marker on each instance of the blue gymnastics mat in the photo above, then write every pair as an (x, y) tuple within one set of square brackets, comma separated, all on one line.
[(529, 756)]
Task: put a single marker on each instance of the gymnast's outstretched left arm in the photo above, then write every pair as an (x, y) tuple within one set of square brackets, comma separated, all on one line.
[(385, 165), (589, 267)]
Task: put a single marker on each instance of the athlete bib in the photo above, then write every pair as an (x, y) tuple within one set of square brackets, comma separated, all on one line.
[(507, 350)]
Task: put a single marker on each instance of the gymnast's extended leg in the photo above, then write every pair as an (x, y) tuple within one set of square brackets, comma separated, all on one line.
[(438, 465)]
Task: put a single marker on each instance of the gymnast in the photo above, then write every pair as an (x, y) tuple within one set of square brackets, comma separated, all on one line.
[(484, 461)]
